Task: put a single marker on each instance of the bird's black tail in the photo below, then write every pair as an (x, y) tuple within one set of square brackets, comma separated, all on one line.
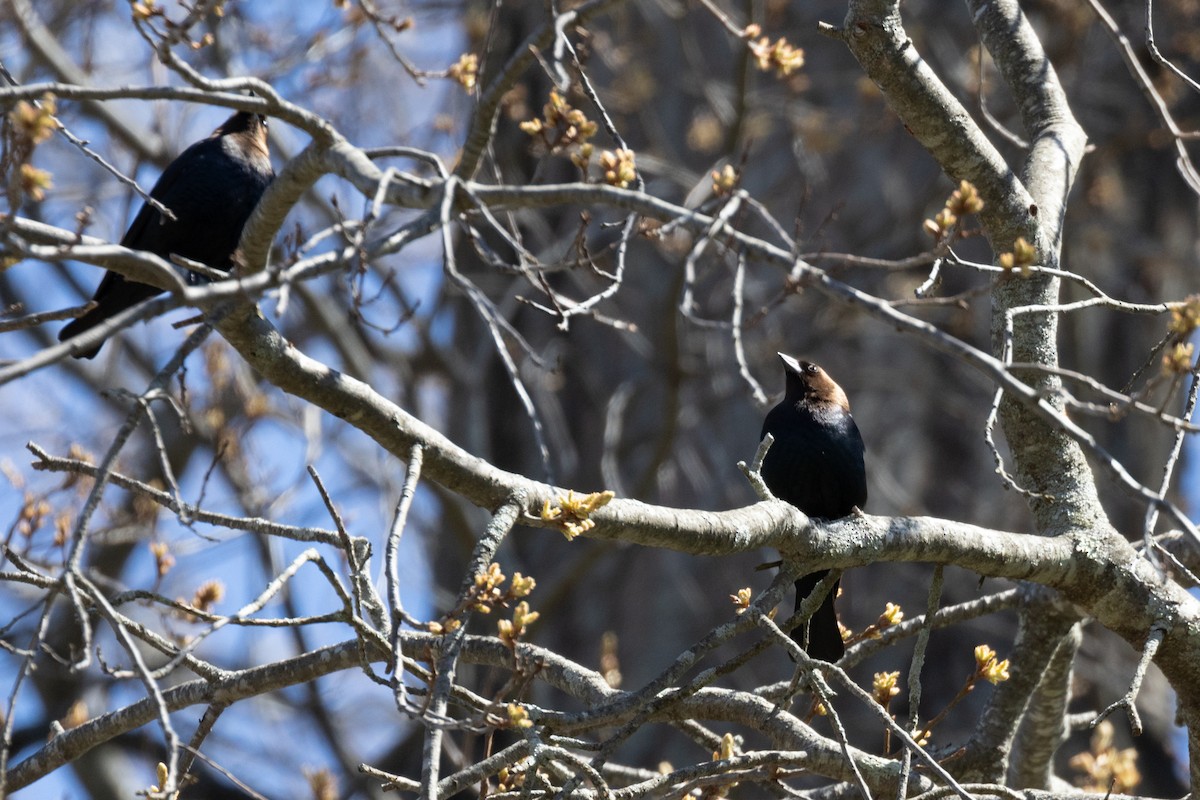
[(113, 297), (824, 636), (81, 325)]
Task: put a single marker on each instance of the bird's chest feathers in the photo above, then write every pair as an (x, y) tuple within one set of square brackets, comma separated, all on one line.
[(823, 426)]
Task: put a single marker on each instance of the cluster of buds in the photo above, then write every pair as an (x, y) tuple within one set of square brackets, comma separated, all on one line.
[(742, 599), (144, 11), (725, 181), (487, 588), (728, 748), (163, 559), (207, 595), (465, 71), (512, 630), (162, 774), (32, 124), (561, 126), (884, 688), (34, 512), (509, 780), (618, 167), (565, 128), (962, 202), (487, 592), (571, 513), (1185, 316), (892, 615), (78, 453), (780, 57), (1177, 359), (322, 785), (965, 200), (988, 666), (1104, 768), (1020, 259), (518, 717)]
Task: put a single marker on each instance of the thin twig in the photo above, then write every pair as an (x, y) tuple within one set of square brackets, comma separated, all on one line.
[(1129, 700), (392, 569)]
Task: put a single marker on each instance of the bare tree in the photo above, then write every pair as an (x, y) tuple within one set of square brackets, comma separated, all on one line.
[(414, 500)]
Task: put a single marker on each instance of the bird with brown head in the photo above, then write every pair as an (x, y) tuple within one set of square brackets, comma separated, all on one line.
[(211, 188), (817, 464)]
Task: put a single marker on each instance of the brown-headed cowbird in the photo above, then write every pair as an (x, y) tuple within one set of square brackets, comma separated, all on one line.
[(816, 464), (211, 188)]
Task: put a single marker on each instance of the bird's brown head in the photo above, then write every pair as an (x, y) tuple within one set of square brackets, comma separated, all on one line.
[(809, 383), (251, 128)]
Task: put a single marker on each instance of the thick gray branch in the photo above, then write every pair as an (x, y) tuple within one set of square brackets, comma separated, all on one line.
[(1095, 568)]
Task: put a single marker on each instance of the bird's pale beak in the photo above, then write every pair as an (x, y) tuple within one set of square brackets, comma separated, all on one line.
[(792, 364)]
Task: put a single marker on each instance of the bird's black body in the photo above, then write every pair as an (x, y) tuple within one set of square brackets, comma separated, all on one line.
[(816, 464), (211, 188)]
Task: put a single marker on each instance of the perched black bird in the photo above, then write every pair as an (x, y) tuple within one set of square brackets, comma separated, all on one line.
[(816, 464), (211, 188)]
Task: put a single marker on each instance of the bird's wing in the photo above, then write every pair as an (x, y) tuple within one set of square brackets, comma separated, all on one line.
[(140, 235), (161, 192)]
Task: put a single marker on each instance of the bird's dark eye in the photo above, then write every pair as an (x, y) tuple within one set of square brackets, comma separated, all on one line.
[(812, 369)]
